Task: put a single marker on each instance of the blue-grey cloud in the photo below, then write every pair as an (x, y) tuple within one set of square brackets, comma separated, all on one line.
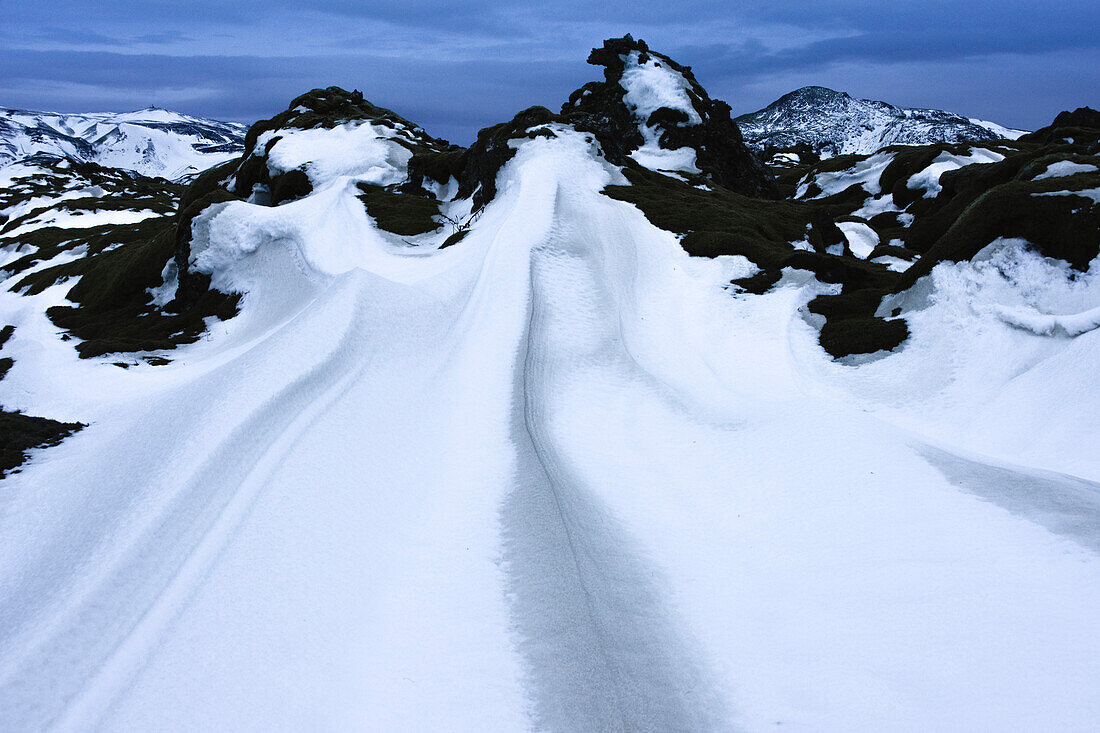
[(452, 102)]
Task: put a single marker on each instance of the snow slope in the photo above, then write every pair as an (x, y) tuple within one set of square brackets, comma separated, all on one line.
[(152, 142), (555, 477)]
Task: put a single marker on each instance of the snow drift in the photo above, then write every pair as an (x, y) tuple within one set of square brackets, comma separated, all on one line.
[(553, 473)]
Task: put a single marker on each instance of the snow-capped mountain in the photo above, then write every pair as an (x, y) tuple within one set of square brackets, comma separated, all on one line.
[(151, 142), (595, 425), (835, 123)]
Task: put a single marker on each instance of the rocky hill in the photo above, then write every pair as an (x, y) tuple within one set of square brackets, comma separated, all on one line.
[(835, 123)]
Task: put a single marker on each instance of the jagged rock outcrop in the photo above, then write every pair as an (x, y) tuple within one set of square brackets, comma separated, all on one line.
[(476, 168), (1080, 127), (648, 104), (649, 110)]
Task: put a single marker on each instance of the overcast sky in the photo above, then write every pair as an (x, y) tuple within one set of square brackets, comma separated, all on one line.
[(455, 68)]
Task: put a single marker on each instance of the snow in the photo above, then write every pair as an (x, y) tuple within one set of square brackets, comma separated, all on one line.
[(1092, 194), (862, 239), (654, 84), (149, 114), (1005, 133), (785, 159), (875, 205), (1063, 168), (152, 142), (866, 173), (557, 477), (11, 171), (359, 149), (929, 178), (651, 155), (80, 219), (649, 87), (896, 264), (1032, 320)]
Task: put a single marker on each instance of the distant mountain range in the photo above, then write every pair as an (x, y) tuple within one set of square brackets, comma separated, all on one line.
[(151, 141), (158, 142), (835, 123)]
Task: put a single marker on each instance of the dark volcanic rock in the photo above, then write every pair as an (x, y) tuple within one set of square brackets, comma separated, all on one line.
[(1080, 117), (1080, 128), (598, 106), (601, 108), (485, 158)]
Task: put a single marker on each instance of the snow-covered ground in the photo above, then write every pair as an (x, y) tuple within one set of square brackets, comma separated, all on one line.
[(555, 477)]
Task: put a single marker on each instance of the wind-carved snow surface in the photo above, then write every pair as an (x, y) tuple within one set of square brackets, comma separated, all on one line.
[(998, 361), (556, 477), (649, 87)]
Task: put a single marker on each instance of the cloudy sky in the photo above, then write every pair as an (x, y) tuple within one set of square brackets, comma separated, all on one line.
[(457, 67)]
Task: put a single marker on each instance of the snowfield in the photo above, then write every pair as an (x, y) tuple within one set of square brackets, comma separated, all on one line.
[(557, 477)]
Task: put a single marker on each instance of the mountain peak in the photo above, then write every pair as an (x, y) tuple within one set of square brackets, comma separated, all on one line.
[(835, 123), (814, 92)]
